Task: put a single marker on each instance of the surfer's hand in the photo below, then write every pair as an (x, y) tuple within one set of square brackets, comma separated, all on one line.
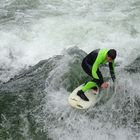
[(105, 85)]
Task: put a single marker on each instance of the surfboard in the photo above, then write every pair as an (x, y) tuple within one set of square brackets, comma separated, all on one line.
[(77, 102)]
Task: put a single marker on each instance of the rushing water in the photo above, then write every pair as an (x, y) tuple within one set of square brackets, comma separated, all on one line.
[(33, 105)]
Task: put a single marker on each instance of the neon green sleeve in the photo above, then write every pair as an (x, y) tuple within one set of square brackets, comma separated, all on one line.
[(100, 58), (94, 70)]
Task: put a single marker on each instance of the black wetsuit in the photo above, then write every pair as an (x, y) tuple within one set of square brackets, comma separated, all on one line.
[(87, 64)]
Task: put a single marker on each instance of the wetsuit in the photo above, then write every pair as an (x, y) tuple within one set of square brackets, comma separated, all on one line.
[(91, 64)]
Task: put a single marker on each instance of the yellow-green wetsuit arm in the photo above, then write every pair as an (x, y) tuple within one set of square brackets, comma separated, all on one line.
[(101, 59)]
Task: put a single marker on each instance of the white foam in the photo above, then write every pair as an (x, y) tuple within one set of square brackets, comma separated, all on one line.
[(91, 25), (50, 36)]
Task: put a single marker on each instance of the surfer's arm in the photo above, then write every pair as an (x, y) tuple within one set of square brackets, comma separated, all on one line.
[(94, 74), (112, 73)]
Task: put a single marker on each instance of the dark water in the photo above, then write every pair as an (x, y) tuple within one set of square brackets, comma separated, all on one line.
[(33, 106), (33, 96)]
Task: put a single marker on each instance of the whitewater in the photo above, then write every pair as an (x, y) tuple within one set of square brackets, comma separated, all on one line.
[(35, 30)]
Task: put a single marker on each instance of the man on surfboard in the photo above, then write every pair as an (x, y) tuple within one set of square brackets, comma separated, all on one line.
[(90, 65)]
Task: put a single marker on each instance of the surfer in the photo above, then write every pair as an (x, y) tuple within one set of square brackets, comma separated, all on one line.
[(90, 65)]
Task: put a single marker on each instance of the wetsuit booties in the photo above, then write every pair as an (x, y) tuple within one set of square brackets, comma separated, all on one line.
[(81, 94)]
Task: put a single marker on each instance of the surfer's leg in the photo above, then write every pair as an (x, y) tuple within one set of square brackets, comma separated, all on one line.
[(100, 76), (88, 86), (100, 80), (92, 84), (86, 67), (81, 94)]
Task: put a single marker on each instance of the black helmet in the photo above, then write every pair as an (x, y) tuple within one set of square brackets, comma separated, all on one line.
[(112, 53)]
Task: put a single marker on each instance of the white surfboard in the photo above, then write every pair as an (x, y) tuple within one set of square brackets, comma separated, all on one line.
[(77, 102)]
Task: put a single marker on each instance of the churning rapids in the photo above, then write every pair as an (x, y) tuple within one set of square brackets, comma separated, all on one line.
[(42, 44)]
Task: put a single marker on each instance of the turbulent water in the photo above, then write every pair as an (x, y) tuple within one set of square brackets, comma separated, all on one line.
[(42, 44)]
